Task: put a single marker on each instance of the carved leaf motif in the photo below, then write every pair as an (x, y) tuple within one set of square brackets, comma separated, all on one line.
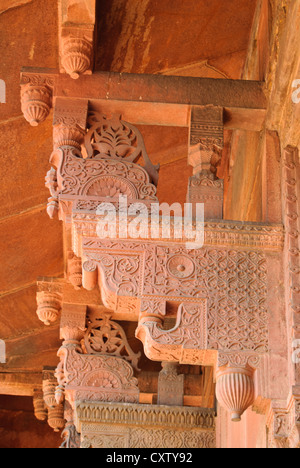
[(105, 337), (116, 139)]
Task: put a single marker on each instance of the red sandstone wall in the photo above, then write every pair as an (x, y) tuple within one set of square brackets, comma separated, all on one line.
[(20, 429)]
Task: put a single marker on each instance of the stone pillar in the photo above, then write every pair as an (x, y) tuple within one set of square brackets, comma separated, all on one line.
[(205, 152)]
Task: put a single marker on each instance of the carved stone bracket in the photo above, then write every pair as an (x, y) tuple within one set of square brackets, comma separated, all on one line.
[(205, 152), (96, 376), (109, 169), (69, 122), (283, 422), (76, 33), (235, 387), (55, 410), (36, 96), (49, 301)]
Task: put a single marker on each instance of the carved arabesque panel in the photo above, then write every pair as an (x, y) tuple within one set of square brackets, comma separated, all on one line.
[(106, 337), (234, 283), (116, 139)]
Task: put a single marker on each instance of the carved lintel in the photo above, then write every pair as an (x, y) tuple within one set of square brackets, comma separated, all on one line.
[(138, 426), (36, 97)]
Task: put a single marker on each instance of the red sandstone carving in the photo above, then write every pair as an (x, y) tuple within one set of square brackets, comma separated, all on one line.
[(96, 376), (49, 306), (56, 418), (205, 152), (116, 139), (104, 336), (170, 386), (75, 270), (235, 390), (40, 409), (36, 97), (76, 55), (69, 123), (182, 342)]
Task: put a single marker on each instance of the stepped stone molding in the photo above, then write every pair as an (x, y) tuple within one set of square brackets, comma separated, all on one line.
[(269, 238), (140, 426)]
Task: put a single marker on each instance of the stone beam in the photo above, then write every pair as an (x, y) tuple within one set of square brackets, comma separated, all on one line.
[(161, 100)]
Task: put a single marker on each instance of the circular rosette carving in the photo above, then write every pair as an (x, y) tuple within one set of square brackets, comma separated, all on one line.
[(181, 266), (110, 187), (102, 379)]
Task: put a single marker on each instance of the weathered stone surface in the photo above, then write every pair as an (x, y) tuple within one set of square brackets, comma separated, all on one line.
[(20, 429), (152, 37), (20, 48), (32, 247), (24, 163), (6, 5)]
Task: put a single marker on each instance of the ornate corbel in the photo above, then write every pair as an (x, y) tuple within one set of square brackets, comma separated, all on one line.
[(205, 152), (49, 301), (77, 53), (70, 436), (36, 97), (69, 122), (74, 270), (76, 34), (186, 343), (40, 409), (235, 387), (55, 411)]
